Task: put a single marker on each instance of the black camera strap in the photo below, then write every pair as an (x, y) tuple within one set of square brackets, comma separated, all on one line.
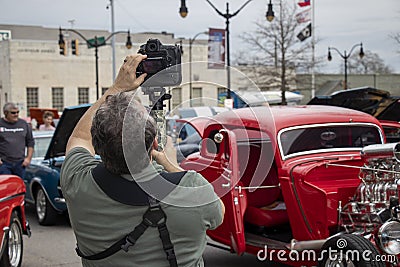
[(130, 193)]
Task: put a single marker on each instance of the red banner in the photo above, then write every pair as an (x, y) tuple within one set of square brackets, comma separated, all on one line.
[(216, 49)]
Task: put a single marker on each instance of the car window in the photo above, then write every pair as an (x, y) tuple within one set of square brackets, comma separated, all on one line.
[(392, 134), (41, 145), (328, 137)]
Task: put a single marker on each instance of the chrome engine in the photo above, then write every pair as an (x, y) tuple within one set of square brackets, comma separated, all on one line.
[(377, 198)]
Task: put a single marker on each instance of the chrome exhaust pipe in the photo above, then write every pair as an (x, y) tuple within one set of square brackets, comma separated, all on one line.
[(306, 245)]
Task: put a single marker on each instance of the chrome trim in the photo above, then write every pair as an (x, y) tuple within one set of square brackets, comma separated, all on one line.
[(306, 245), (11, 197), (59, 200), (386, 150), (285, 157), (6, 229)]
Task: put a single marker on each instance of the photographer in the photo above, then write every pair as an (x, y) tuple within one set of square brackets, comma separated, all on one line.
[(122, 133)]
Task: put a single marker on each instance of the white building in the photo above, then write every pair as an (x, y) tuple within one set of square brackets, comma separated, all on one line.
[(34, 74)]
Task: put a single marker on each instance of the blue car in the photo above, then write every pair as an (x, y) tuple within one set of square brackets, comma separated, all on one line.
[(42, 179)]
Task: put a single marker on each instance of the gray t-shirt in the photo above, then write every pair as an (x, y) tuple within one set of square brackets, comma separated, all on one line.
[(14, 138), (99, 221)]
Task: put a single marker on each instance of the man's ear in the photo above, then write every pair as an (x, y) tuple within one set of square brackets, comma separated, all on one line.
[(155, 144)]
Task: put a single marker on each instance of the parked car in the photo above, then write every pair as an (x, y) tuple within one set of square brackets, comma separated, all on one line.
[(299, 181), (13, 223), (42, 179), (178, 130), (378, 103)]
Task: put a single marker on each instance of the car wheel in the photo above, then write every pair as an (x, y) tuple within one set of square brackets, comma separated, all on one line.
[(349, 250), (45, 212), (12, 256)]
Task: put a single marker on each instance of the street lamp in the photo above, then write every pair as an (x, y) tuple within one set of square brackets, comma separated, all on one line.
[(345, 56), (95, 43), (184, 11), (270, 12), (191, 41)]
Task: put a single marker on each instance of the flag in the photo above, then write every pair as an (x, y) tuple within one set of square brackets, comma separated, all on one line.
[(305, 33), (304, 16), (304, 3), (216, 49)]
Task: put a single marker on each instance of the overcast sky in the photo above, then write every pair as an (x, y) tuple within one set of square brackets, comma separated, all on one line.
[(339, 23)]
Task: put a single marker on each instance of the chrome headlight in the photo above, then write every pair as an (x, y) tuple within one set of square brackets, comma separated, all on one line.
[(389, 237)]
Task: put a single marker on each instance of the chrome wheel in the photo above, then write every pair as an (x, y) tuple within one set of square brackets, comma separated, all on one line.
[(336, 261), (41, 204), (45, 212), (15, 243)]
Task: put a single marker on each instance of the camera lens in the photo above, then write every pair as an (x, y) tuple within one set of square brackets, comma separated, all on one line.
[(151, 47)]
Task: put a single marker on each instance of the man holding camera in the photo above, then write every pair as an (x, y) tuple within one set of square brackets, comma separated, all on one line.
[(164, 222)]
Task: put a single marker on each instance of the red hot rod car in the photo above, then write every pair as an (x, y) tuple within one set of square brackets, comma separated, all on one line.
[(13, 222), (303, 184)]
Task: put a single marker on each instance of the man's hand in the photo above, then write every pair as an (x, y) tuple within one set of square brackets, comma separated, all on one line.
[(167, 157), (126, 79), (26, 162)]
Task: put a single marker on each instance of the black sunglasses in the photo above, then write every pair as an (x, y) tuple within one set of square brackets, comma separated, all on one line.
[(14, 112)]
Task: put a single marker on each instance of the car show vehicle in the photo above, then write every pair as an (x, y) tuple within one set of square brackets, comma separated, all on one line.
[(303, 185), (378, 103), (13, 223), (42, 179)]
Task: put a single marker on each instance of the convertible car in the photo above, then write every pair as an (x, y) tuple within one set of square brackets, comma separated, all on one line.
[(13, 222), (303, 185), (42, 177)]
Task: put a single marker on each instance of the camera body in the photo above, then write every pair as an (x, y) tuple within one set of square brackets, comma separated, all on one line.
[(163, 60)]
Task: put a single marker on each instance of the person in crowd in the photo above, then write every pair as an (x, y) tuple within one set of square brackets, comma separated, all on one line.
[(119, 129), (47, 122), (16, 142)]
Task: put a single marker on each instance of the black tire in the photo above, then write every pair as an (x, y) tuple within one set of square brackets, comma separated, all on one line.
[(45, 212), (347, 246), (13, 250)]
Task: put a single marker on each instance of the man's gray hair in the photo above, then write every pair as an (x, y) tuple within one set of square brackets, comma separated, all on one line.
[(8, 106), (109, 129)]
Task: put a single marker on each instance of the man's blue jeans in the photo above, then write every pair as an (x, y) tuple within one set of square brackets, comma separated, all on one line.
[(13, 168)]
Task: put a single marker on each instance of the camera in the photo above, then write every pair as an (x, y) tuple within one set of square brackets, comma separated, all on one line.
[(163, 60)]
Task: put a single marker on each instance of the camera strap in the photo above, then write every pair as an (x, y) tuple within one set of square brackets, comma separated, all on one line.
[(130, 193)]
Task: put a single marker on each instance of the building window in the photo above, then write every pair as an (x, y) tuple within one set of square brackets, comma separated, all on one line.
[(83, 95), (221, 90), (197, 96), (176, 97), (103, 90), (32, 98), (58, 98)]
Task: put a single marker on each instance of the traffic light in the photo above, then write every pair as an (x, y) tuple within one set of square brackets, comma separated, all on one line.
[(63, 50), (63, 47), (74, 46)]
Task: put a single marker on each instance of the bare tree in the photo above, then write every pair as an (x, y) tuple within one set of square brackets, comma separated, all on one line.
[(396, 38), (371, 63), (277, 42)]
